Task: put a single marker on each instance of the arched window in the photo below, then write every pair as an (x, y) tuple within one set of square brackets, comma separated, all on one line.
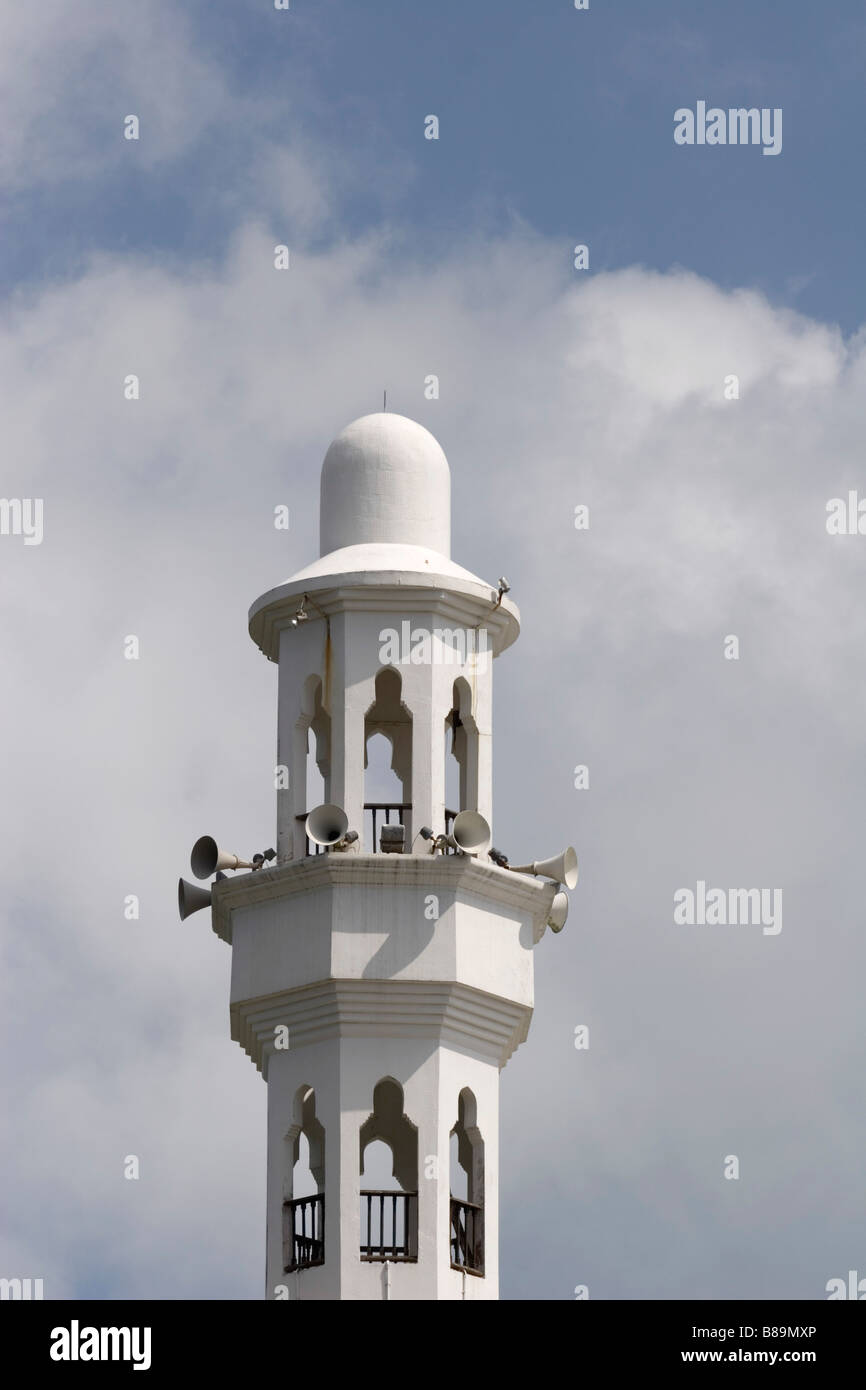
[(304, 1186), (453, 799), (461, 752), (318, 750), (467, 1188), (387, 760), (377, 1171), (312, 770), (389, 1159)]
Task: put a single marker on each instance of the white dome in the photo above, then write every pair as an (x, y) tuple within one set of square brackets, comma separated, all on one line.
[(385, 479)]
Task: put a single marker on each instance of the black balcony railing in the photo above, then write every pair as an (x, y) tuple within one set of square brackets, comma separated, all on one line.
[(376, 813), (389, 1225), (303, 1233), (392, 813), (467, 1236)]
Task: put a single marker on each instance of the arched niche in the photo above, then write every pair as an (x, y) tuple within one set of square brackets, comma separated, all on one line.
[(310, 775), (467, 1188), (469, 1148), (388, 1122), (461, 748), (304, 1124), (388, 778), (389, 1208), (304, 1185)]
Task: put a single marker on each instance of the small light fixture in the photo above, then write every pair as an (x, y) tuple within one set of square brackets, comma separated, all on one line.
[(302, 616), (501, 591), (392, 839)]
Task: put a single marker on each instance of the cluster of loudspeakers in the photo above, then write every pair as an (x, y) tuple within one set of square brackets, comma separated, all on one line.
[(470, 833), (207, 858), (562, 868), (328, 825)]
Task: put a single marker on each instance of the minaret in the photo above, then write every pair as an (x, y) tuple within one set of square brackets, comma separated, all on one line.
[(381, 983)]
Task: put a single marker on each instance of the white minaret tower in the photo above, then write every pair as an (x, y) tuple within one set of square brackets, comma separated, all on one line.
[(380, 993)]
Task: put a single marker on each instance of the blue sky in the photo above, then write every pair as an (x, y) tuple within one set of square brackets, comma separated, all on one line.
[(559, 118)]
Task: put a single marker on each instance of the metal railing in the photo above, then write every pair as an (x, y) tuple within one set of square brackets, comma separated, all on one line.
[(303, 1233), (389, 1225), (387, 809), (467, 1236)]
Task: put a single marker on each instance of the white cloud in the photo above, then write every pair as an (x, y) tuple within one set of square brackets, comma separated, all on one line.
[(707, 518), (69, 75)]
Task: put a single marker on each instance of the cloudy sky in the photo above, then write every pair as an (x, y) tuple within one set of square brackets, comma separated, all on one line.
[(603, 387)]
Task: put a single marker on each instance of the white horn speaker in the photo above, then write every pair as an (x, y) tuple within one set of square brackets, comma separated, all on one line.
[(562, 868), (470, 832), (207, 857), (327, 824), (558, 912), (191, 898)]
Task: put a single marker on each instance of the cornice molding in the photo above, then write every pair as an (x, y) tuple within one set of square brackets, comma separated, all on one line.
[(382, 592), (457, 872), (451, 1013)]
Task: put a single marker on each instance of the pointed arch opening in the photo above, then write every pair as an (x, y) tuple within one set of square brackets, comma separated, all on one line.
[(389, 1159), (311, 773), (387, 763), (304, 1185), (461, 753), (467, 1188)]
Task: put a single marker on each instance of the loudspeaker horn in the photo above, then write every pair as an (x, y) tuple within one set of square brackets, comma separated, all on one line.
[(191, 898), (558, 912), (470, 832), (562, 868), (327, 824), (207, 857)]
